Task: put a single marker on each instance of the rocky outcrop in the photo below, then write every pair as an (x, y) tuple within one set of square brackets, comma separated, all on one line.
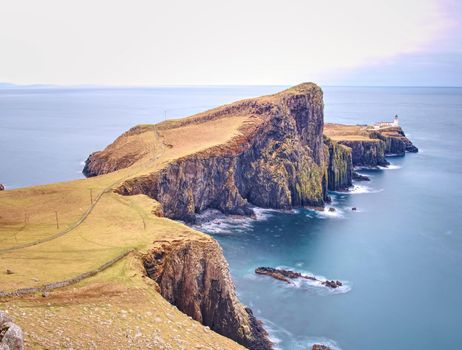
[(366, 152), (360, 177), (339, 165), (369, 145), (194, 276), (125, 151), (320, 347), (395, 141), (279, 162), (288, 275), (11, 336)]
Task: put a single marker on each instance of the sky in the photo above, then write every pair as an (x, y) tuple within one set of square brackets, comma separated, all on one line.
[(208, 42)]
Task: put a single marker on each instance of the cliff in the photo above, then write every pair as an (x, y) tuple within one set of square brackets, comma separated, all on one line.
[(274, 159), (194, 276), (339, 165), (369, 146)]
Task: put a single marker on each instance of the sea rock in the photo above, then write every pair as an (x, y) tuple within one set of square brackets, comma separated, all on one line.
[(331, 209), (354, 209), (320, 347), (11, 335), (2, 188), (194, 276), (287, 276), (360, 177)]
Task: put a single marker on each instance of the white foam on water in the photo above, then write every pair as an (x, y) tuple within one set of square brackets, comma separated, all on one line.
[(215, 222), (361, 189), (390, 167), (82, 163), (326, 214)]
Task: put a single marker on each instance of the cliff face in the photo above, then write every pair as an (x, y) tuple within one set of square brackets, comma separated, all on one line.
[(339, 165), (367, 153), (395, 141), (370, 146), (194, 276), (277, 162)]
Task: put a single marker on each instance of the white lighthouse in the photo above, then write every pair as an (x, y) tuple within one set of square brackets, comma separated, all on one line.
[(396, 121)]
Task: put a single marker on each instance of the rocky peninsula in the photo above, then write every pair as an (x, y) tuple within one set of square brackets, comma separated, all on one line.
[(121, 223)]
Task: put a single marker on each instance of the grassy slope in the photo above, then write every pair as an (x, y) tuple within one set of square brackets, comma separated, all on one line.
[(341, 132), (92, 313)]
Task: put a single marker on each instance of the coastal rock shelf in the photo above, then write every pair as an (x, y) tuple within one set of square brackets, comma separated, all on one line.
[(370, 146)]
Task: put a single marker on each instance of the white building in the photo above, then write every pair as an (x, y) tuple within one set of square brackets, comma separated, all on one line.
[(394, 123)]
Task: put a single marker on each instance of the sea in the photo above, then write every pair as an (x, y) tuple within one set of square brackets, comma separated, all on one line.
[(399, 255)]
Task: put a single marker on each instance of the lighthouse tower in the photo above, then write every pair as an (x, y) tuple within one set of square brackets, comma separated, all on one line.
[(396, 121)]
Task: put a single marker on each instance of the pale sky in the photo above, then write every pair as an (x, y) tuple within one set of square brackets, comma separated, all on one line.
[(186, 42)]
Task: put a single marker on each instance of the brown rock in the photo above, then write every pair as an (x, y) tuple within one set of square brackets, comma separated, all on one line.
[(2, 187), (194, 276), (320, 347)]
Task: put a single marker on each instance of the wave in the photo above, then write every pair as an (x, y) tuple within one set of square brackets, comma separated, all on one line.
[(361, 189), (325, 214), (215, 222), (390, 167), (282, 338), (82, 163)]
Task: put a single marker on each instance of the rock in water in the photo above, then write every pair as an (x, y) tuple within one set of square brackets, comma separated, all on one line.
[(2, 187), (11, 336), (320, 347), (331, 209), (360, 177), (287, 276)]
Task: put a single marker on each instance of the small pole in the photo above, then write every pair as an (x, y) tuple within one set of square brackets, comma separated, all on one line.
[(57, 221), (91, 195)]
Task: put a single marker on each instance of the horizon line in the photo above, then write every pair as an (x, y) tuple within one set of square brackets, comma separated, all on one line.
[(8, 85)]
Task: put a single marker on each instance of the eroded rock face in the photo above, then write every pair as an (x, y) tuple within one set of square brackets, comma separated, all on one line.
[(367, 153), (339, 165), (280, 163), (11, 336), (194, 276), (395, 140)]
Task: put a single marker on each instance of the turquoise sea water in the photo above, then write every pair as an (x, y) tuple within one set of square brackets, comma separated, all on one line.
[(400, 254)]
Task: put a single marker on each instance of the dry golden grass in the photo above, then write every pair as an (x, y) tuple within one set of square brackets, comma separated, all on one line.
[(341, 132), (93, 234), (118, 308)]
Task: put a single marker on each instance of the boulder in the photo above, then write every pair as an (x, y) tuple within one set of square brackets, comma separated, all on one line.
[(320, 347), (2, 187), (11, 336), (331, 209)]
